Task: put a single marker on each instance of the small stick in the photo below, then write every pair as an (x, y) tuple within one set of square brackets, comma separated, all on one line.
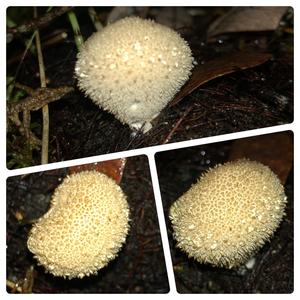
[(45, 109), (28, 45), (169, 136), (59, 37), (41, 22), (95, 19), (37, 99), (13, 286)]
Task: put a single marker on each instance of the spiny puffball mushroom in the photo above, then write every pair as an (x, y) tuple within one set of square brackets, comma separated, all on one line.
[(229, 213), (133, 68), (84, 228)]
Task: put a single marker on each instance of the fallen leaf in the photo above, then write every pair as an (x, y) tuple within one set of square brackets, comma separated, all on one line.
[(120, 12), (112, 168), (173, 17), (245, 19), (273, 150), (220, 67)]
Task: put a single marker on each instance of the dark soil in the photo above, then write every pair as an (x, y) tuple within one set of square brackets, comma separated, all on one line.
[(254, 98), (273, 271), (140, 265)]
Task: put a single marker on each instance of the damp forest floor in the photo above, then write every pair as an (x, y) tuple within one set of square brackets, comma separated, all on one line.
[(139, 266), (257, 97)]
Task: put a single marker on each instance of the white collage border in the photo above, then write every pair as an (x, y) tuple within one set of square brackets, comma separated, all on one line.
[(150, 151)]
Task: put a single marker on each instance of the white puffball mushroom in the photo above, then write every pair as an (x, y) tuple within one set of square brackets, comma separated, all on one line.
[(133, 68), (229, 213), (85, 227)]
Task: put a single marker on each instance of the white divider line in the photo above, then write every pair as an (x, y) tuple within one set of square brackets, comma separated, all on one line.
[(162, 224), (149, 150)]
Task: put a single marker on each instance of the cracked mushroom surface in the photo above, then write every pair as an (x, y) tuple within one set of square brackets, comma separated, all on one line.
[(133, 68), (85, 227), (229, 213)]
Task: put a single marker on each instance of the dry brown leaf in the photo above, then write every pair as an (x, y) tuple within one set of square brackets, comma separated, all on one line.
[(112, 168), (220, 67), (273, 150), (245, 19)]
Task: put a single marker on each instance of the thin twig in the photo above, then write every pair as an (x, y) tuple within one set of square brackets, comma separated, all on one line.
[(169, 136), (41, 22), (37, 99), (29, 90), (13, 286), (95, 18), (28, 45), (53, 40), (45, 136)]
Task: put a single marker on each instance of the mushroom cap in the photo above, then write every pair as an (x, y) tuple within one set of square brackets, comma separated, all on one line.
[(133, 68), (84, 228), (229, 213)]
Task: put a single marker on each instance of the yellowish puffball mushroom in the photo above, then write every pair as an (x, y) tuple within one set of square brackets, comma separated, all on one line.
[(133, 68), (85, 227), (229, 213)]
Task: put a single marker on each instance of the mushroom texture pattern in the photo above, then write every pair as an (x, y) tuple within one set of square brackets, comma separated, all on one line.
[(229, 213), (133, 68), (85, 227)]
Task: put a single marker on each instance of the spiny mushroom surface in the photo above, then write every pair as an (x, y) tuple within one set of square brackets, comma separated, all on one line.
[(84, 228), (229, 213), (133, 68)]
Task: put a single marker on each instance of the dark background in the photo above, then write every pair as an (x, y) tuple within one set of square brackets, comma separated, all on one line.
[(273, 271), (253, 98), (140, 265)]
